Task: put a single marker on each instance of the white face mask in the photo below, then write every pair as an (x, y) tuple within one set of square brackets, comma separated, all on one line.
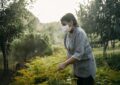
[(66, 28)]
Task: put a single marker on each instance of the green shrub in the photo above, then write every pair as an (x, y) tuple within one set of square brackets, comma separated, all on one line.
[(108, 69), (113, 60), (107, 76), (30, 45), (100, 60)]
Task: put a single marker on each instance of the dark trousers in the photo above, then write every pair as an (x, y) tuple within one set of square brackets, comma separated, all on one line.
[(85, 81)]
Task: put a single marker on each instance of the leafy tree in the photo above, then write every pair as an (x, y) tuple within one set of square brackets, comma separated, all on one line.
[(87, 20), (102, 17), (12, 23), (108, 21)]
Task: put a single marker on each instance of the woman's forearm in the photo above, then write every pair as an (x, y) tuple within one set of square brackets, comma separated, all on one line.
[(63, 65), (70, 60)]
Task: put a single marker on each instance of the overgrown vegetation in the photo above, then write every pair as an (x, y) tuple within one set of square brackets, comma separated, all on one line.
[(40, 72), (29, 45)]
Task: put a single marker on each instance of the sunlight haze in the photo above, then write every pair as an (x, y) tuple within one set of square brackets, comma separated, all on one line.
[(52, 10)]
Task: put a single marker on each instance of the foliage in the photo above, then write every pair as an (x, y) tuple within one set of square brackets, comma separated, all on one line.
[(14, 18), (113, 60), (29, 45), (42, 71), (86, 17), (101, 18), (10, 26), (107, 76)]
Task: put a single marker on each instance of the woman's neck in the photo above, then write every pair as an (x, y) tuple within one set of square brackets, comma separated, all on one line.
[(72, 30)]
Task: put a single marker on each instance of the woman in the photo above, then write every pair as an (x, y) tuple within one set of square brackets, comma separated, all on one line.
[(79, 52)]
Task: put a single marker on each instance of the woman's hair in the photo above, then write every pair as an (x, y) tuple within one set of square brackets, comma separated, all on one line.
[(69, 17)]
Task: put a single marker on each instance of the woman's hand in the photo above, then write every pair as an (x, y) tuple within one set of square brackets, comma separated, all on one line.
[(62, 66)]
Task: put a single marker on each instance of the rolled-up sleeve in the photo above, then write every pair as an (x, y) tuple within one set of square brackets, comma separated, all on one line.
[(79, 46)]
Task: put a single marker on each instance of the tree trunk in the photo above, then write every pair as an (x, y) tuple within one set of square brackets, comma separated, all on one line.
[(113, 43), (5, 58), (105, 48), (105, 45)]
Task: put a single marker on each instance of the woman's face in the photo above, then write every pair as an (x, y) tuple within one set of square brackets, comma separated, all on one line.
[(67, 26)]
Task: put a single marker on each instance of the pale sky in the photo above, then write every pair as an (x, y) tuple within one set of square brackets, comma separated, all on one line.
[(52, 10)]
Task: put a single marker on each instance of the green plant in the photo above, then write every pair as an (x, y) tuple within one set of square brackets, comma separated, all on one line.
[(113, 61), (29, 45), (42, 71)]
